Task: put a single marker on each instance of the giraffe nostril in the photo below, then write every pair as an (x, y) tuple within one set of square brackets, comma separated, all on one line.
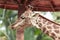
[(12, 27)]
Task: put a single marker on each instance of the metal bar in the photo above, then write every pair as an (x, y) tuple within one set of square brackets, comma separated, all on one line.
[(51, 5)]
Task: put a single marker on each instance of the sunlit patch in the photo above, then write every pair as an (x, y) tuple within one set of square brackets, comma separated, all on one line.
[(2, 28), (49, 15), (0, 21)]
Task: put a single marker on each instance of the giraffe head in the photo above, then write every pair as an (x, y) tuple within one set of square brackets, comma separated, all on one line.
[(24, 19)]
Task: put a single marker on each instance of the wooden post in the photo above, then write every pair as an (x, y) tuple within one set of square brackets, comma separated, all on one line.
[(20, 31), (21, 9)]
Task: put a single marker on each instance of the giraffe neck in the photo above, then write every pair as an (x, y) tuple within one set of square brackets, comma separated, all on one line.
[(48, 27)]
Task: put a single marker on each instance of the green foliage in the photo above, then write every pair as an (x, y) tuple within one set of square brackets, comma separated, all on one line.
[(2, 34), (33, 33), (8, 17), (57, 16), (29, 34)]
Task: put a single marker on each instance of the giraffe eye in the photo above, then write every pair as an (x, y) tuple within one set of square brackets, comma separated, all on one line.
[(23, 17)]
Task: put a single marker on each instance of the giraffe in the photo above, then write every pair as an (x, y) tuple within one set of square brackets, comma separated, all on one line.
[(29, 18)]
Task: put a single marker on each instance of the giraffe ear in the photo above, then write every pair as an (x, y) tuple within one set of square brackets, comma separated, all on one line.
[(29, 7)]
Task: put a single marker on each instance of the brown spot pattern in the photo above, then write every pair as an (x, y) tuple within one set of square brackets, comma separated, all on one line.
[(57, 31), (55, 26), (44, 29), (49, 27), (49, 23), (47, 32), (40, 24), (44, 21)]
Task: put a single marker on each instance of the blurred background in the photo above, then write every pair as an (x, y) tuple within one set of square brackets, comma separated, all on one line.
[(7, 17)]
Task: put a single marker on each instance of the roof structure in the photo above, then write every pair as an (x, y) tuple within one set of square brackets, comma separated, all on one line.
[(39, 5)]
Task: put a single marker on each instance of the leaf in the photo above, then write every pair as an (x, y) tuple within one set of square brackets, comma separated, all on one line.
[(1, 34), (37, 31), (29, 34), (43, 36)]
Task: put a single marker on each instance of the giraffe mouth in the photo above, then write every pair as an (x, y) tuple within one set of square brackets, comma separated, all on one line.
[(17, 24)]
